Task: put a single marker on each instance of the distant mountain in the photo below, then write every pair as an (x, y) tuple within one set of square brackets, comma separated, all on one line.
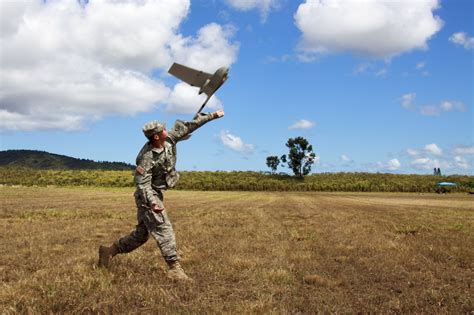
[(44, 160)]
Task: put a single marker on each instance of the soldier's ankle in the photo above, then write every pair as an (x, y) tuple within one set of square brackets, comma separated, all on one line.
[(173, 263)]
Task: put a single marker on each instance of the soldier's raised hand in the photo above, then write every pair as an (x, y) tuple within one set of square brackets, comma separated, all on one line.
[(218, 114)]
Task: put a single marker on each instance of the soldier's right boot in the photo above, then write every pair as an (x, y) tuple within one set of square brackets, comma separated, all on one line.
[(106, 254), (176, 273)]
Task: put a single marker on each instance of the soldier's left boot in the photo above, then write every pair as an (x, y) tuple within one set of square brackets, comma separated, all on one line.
[(106, 254), (176, 273)]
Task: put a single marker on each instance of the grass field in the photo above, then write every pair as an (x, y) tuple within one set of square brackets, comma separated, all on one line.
[(251, 252)]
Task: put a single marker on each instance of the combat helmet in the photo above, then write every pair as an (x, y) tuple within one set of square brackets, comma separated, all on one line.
[(153, 127)]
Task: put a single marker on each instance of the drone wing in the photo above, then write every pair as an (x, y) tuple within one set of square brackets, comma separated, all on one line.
[(189, 75)]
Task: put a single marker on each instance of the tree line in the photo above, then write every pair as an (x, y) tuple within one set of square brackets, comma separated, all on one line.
[(242, 181)]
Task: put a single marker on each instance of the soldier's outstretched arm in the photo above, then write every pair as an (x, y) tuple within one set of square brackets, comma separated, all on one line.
[(182, 129)]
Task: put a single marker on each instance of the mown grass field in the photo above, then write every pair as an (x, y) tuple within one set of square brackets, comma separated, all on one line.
[(249, 252)]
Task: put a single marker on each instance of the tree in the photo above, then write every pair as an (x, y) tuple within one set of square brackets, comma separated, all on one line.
[(273, 162), (300, 157)]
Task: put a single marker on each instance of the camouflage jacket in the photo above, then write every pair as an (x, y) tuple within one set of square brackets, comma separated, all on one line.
[(156, 166)]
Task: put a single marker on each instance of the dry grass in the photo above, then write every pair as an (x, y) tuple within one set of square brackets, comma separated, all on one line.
[(248, 252)]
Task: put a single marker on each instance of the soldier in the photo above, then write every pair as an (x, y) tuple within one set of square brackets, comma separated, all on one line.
[(155, 173)]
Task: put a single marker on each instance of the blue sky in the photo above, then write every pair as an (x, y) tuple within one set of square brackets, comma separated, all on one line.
[(374, 85)]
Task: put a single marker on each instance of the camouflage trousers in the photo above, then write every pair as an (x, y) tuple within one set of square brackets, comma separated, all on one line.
[(151, 223)]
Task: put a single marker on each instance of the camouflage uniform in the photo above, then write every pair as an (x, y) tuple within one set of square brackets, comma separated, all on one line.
[(155, 173)]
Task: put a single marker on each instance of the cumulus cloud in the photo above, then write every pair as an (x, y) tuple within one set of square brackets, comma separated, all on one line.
[(461, 38), (274, 59), (407, 100), (371, 68), (391, 165), (345, 158), (66, 63), (432, 156), (445, 106), (235, 143), (450, 105), (421, 68), (264, 6), (433, 149), (464, 150), (425, 163), (210, 50), (17, 121), (461, 162), (378, 28), (362, 68), (184, 99), (429, 110), (302, 124), (412, 152), (420, 65), (381, 73)]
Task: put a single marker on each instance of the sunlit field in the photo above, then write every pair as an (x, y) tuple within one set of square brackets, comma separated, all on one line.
[(262, 252)]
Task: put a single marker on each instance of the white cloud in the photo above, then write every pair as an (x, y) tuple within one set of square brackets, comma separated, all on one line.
[(420, 65), (378, 28), (307, 57), (425, 163), (412, 152), (17, 121), (282, 58), (345, 158), (362, 68), (185, 99), (421, 68), (302, 124), (428, 163), (381, 73), (209, 51), (65, 64), (407, 100), (461, 38), (433, 149), (392, 165), (429, 110), (235, 143), (371, 68), (464, 150), (461, 162), (445, 106), (264, 6), (450, 105)]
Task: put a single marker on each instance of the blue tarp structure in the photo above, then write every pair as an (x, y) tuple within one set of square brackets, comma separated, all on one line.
[(446, 184)]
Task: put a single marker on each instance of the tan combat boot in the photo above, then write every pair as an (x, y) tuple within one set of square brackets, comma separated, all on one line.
[(106, 254), (176, 273)]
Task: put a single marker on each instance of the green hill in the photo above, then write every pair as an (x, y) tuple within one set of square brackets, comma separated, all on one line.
[(49, 161)]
